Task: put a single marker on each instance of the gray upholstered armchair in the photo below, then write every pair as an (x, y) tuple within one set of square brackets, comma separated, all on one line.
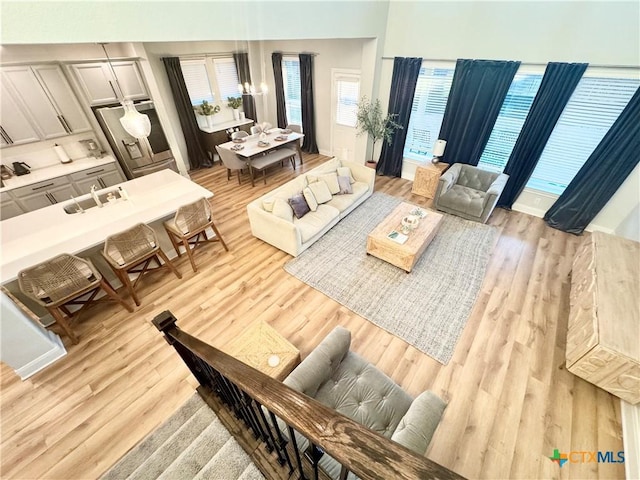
[(469, 192), (346, 382)]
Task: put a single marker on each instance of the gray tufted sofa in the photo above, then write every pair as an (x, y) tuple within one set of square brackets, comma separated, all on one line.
[(346, 382), (469, 192)]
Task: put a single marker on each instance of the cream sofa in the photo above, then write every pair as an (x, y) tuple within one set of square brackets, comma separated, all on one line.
[(296, 235)]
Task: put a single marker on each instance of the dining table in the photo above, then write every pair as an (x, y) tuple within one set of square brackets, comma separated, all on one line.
[(253, 146)]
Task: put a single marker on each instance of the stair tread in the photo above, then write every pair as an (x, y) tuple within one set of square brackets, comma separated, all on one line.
[(229, 462), (139, 454), (198, 454)]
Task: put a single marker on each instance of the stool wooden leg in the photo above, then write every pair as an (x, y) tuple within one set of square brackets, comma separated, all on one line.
[(176, 247), (213, 226), (126, 281), (112, 293), (62, 321), (168, 263), (190, 254)]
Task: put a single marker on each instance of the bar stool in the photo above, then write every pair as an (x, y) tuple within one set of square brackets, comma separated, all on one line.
[(189, 227), (62, 281), (132, 251)]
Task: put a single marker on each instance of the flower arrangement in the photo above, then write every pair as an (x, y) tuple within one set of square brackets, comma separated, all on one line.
[(206, 109), (234, 102)]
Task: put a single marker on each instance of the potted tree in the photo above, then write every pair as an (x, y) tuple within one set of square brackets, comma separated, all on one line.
[(208, 111), (370, 120), (235, 103)]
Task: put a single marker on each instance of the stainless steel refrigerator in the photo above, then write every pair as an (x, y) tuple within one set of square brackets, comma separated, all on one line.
[(137, 157)]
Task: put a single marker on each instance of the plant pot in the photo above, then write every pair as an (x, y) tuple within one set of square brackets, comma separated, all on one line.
[(209, 121), (236, 114), (371, 164)]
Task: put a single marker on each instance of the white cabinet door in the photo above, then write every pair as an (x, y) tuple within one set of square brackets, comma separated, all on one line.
[(101, 177), (15, 127), (34, 99), (100, 86), (130, 80), (10, 209), (109, 179), (55, 83)]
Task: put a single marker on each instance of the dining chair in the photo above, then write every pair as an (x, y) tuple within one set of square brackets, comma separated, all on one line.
[(239, 134), (232, 162), (132, 251), (189, 226), (62, 281), (297, 145), (255, 130)]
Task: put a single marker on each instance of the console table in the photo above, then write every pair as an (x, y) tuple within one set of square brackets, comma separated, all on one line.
[(604, 315)]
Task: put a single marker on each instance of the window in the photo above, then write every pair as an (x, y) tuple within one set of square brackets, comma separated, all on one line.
[(292, 89), (210, 79), (513, 113), (227, 77), (347, 94), (594, 106), (195, 77), (427, 111)]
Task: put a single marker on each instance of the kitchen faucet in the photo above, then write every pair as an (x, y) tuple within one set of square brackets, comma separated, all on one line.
[(95, 196)]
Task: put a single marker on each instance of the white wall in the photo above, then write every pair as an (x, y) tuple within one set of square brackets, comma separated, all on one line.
[(601, 33)]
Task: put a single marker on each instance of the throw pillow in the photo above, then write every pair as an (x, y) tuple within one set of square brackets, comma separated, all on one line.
[(346, 171), (332, 181), (299, 205), (310, 198), (321, 191), (267, 204), (345, 185), (282, 209)]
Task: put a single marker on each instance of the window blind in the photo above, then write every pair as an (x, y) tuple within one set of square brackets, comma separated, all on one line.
[(593, 108), (513, 113), (197, 81), (347, 93), (292, 89), (227, 77), (427, 111)]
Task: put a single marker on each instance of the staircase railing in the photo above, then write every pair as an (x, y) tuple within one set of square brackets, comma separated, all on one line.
[(259, 401)]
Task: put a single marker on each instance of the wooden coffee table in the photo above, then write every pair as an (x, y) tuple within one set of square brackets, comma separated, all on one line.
[(259, 343), (404, 255)]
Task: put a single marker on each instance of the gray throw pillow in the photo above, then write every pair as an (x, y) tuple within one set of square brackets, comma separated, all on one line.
[(299, 205), (345, 185)]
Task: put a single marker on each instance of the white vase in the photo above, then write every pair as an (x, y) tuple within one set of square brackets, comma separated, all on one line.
[(210, 121), (236, 114)]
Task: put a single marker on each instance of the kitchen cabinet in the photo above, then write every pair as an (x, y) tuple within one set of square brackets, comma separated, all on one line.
[(8, 206), (15, 127), (62, 97), (45, 99), (44, 194), (101, 87), (101, 177)]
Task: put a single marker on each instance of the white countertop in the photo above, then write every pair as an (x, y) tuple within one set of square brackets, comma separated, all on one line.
[(53, 171), (42, 234), (220, 127), (250, 144)]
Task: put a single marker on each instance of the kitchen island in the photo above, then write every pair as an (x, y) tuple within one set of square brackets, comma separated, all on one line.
[(37, 236)]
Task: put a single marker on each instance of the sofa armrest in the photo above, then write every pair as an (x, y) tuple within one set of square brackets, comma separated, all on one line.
[(321, 363), (362, 173), (446, 181), (274, 230), (495, 190), (420, 422)]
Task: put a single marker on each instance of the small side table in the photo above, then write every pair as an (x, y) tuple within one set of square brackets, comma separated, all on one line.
[(257, 344), (426, 180)]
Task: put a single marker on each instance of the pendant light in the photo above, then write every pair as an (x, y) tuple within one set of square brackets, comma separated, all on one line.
[(135, 123)]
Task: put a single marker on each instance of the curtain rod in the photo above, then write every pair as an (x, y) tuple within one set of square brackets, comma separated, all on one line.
[(596, 65), (205, 55), (295, 54)]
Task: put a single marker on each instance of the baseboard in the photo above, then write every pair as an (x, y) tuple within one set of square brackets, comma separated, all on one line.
[(34, 366), (631, 437), (326, 153)]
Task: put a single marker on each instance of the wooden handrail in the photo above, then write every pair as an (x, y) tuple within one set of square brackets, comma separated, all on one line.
[(364, 452)]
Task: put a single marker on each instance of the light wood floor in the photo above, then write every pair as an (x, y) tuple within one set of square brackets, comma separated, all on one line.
[(511, 400)]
